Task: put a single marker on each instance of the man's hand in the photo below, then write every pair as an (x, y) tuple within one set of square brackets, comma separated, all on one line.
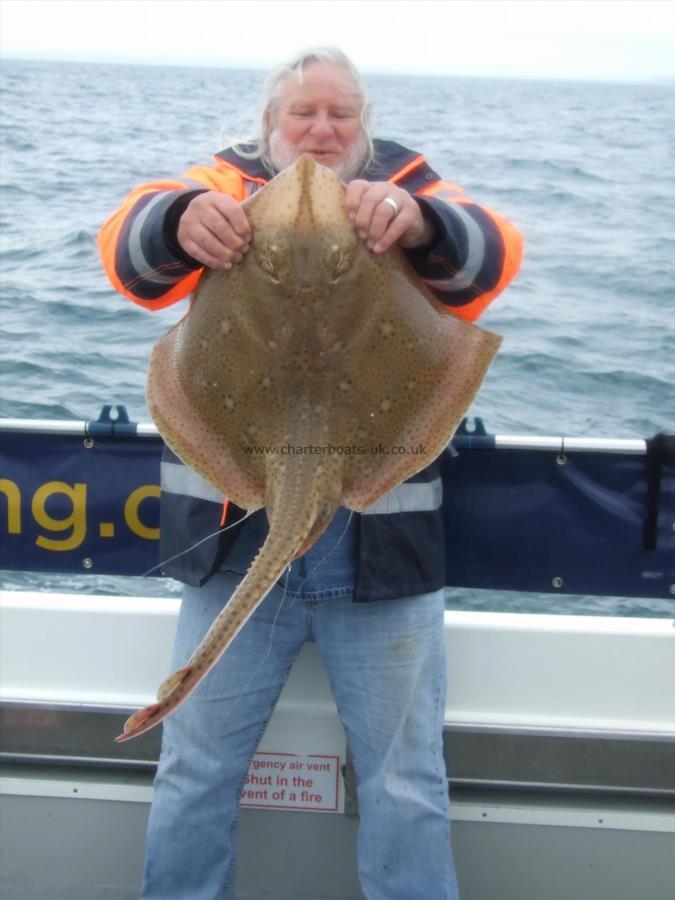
[(379, 223), (214, 230)]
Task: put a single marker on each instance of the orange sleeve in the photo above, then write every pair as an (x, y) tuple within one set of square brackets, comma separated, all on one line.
[(161, 279), (513, 257), (476, 255)]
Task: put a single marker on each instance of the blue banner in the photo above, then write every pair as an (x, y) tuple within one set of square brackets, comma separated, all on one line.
[(75, 504), (522, 520), (541, 521)]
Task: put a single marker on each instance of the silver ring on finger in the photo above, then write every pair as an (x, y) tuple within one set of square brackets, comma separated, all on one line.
[(393, 204)]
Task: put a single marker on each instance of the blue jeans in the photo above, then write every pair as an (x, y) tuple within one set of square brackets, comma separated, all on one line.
[(386, 666)]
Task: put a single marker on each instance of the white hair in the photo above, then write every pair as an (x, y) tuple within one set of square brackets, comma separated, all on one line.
[(270, 100)]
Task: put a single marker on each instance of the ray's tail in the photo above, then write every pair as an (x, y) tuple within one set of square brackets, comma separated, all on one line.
[(266, 569), (292, 531)]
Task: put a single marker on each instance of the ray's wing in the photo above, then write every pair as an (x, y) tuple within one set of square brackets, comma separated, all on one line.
[(209, 392), (415, 374), (219, 386)]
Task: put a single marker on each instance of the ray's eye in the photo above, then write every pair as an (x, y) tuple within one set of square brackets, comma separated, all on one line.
[(339, 262), (270, 259)]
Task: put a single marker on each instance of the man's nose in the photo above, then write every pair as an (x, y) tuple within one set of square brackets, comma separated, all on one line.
[(321, 126)]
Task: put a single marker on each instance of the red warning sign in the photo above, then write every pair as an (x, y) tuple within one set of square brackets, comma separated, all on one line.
[(287, 781)]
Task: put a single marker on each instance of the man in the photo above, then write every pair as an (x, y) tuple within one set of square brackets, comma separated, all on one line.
[(385, 657)]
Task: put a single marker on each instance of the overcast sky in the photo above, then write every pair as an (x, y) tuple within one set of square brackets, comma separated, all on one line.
[(589, 39)]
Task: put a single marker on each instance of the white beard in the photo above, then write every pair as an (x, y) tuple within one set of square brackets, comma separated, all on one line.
[(284, 154)]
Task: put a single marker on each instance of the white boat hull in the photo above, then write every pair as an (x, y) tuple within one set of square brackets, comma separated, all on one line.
[(560, 740)]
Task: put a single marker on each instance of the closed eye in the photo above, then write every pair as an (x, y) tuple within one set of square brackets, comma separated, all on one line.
[(268, 266), (339, 262), (270, 257)]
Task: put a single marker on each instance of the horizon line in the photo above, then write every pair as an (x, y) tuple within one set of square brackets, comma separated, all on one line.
[(265, 67)]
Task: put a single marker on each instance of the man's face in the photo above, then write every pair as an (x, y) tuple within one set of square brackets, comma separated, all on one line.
[(320, 117)]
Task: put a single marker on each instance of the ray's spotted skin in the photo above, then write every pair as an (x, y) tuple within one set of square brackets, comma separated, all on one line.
[(310, 346)]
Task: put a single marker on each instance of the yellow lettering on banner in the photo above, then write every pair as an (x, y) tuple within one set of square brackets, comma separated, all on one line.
[(76, 520), (131, 516), (11, 491)]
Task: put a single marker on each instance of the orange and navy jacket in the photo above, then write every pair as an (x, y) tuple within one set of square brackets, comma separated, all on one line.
[(474, 254), (472, 257)]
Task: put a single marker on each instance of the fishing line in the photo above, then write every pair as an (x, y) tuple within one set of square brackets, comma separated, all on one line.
[(293, 598), (269, 644), (194, 546), (323, 559)]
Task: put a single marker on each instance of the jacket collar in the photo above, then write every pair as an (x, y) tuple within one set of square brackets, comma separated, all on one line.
[(392, 162), (251, 169)]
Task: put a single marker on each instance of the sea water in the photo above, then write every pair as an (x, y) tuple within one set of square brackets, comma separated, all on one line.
[(585, 170)]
